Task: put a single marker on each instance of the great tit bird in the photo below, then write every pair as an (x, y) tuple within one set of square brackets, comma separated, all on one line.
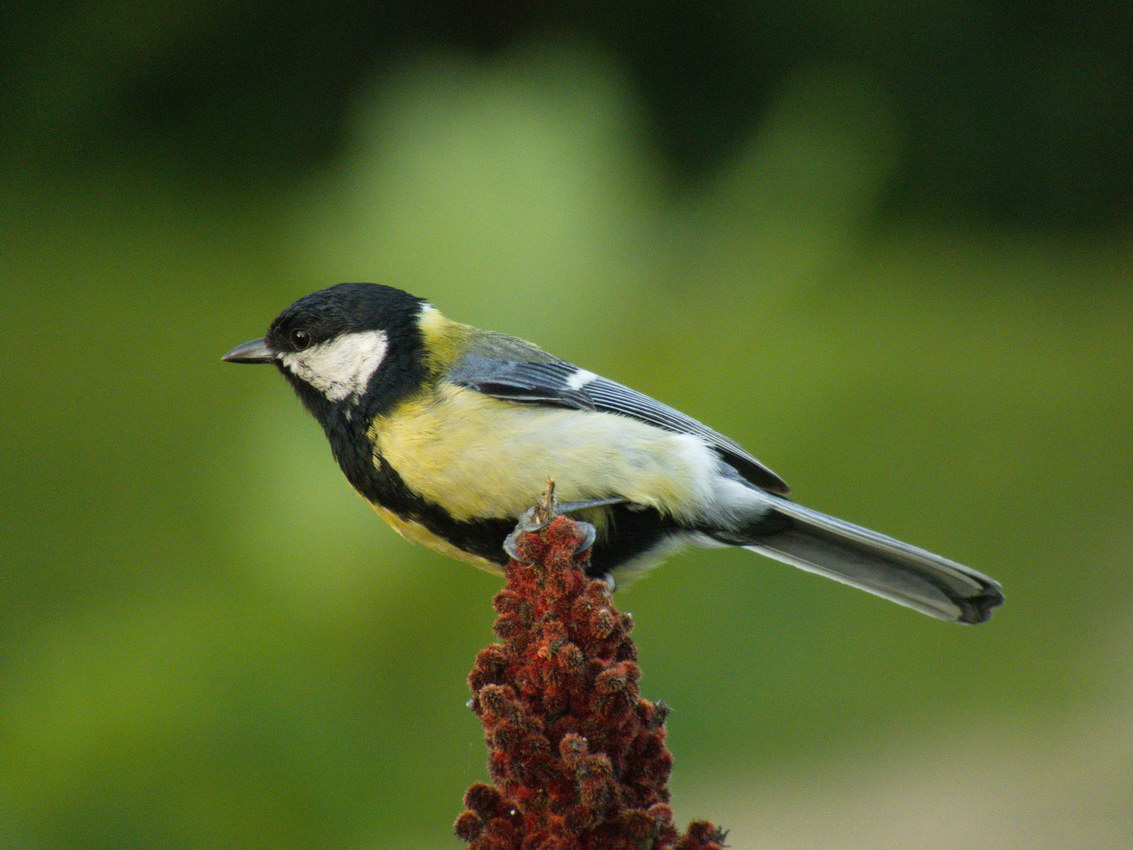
[(451, 433)]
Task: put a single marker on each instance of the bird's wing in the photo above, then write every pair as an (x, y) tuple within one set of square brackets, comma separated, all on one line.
[(511, 369)]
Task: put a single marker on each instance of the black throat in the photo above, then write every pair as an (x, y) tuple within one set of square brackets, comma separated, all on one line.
[(346, 423), (379, 483), (347, 427)]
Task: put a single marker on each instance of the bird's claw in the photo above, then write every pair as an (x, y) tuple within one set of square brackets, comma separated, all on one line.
[(510, 544), (538, 517), (589, 534)]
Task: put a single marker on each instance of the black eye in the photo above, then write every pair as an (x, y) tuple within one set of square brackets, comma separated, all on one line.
[(300, 338)]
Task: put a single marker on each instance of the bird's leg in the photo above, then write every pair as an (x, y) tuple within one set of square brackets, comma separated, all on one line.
[(571, 507), (547, 508), (533, 519)]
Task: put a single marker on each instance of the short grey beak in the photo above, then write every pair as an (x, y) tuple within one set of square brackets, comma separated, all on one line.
[(256, 351)]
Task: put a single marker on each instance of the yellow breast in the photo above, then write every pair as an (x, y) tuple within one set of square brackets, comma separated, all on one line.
[(480, 457)]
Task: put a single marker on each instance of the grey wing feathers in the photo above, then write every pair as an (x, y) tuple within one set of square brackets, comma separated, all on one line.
[(616, 398), (553, 381), (531, 382)]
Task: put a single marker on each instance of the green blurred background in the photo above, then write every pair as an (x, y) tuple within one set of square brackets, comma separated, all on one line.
[(887, 247)]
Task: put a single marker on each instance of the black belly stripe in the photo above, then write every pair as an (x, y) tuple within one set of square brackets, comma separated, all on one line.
[(378, 482), (631, 531), (481, 537)]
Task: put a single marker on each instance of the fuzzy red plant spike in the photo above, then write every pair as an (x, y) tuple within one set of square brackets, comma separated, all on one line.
[(578, 758)]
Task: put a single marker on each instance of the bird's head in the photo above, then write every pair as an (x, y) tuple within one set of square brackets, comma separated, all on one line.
[(351, 348)]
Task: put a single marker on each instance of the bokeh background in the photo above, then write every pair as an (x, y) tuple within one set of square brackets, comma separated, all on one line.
[(886, 246)]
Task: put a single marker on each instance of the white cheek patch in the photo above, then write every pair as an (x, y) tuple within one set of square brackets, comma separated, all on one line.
[(339, 368)]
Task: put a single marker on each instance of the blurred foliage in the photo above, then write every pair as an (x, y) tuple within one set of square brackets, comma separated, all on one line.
[(886, 247), (256, 93)]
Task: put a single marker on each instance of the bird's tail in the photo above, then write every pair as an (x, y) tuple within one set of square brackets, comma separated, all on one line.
[(878, 564)]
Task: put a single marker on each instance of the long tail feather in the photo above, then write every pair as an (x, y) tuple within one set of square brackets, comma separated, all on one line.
[(879, 564)]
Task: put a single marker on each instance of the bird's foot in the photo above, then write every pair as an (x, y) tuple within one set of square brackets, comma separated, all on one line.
[(539, 516)]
